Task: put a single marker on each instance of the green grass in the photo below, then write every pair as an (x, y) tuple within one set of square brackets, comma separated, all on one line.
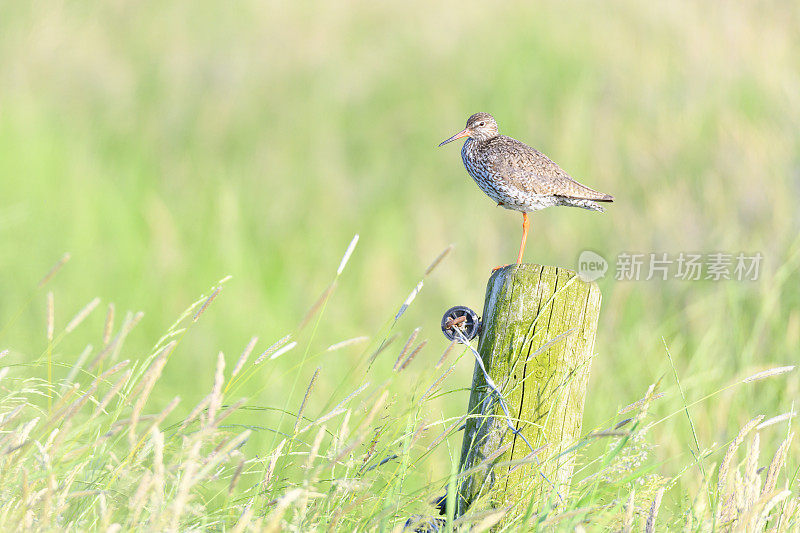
[(165, 146)]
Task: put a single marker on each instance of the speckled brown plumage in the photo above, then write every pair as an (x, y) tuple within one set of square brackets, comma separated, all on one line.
[(517, 176)]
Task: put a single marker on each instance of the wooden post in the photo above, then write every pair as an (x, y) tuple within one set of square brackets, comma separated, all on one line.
[(536, 342)]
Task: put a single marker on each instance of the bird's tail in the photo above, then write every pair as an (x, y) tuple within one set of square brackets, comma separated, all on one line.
[(591, 205)]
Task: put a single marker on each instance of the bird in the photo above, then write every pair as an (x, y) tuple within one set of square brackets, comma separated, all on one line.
[(517, 176)]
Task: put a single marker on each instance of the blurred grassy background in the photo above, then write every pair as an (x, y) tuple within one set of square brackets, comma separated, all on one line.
[(167, 144)]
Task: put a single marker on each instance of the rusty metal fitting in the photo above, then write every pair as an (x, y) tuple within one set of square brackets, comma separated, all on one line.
[(464, 319)]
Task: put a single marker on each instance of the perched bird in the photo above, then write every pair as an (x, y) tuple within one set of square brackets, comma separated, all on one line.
[(517, 176)]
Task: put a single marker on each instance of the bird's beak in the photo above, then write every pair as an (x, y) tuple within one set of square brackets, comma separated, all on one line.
[(463, 133)]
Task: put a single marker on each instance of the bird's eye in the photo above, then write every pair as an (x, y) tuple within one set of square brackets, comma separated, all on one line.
[(481, 123)]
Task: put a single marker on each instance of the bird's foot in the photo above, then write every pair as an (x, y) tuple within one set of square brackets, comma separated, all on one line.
[(495, 269)]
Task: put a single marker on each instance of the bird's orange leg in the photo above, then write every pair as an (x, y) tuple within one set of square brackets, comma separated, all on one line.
[(525, 225)]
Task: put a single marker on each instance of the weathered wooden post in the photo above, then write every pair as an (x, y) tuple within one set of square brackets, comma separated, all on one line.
[(536, 342)]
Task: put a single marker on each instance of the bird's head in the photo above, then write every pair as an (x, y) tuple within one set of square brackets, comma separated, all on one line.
[(480, 126)]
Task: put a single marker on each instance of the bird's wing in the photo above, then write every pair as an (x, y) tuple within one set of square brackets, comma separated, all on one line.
[(530, 170)]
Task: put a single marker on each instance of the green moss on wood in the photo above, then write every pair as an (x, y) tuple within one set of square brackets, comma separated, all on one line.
[(539, 325)]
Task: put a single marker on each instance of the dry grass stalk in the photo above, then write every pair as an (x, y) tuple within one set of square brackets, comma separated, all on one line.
[(283, 350), (25, 486), (489, 521), (322, 419), (104, 511), (347, 254), (644, 402), (751, 478), (316, 306), (761, 525), (283, 503), (108, 328), (159, 472), (201, 405), (337, 410), (73, 373), (350, 396), (768, 373), (776, 420), (384, 344), (47, 499), (722, 479), (53, 446), (405, 349), (439, 259), (546, 346), (245, 354), (107, 349), (51, 316), (148, 381), (130, 321), (54, 270), (229, 411), (245, 519), (73, 408), (19, 437), (727, 514), (650, 527), (346, 343), (529, 458), (788, 516), (314, 451), (128, 325), (363, 434), (439, 380), (81, 315), (273, 460), (374, 411), (452, 427), (446, 352), (225, 450), (236, 475), (215, 401), (305, 400), (560, 517), (408, 301), (739, 489), (373, 443), (607, 433), (495, 454), (6, 418), (778, 460), (412, 355), (111, 371), (160, 417), (623, 423), (189, 467), (422, 427), (206, 303), (757, 519), (68, 390), (272, 349), (627, 523), (111, 393)]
